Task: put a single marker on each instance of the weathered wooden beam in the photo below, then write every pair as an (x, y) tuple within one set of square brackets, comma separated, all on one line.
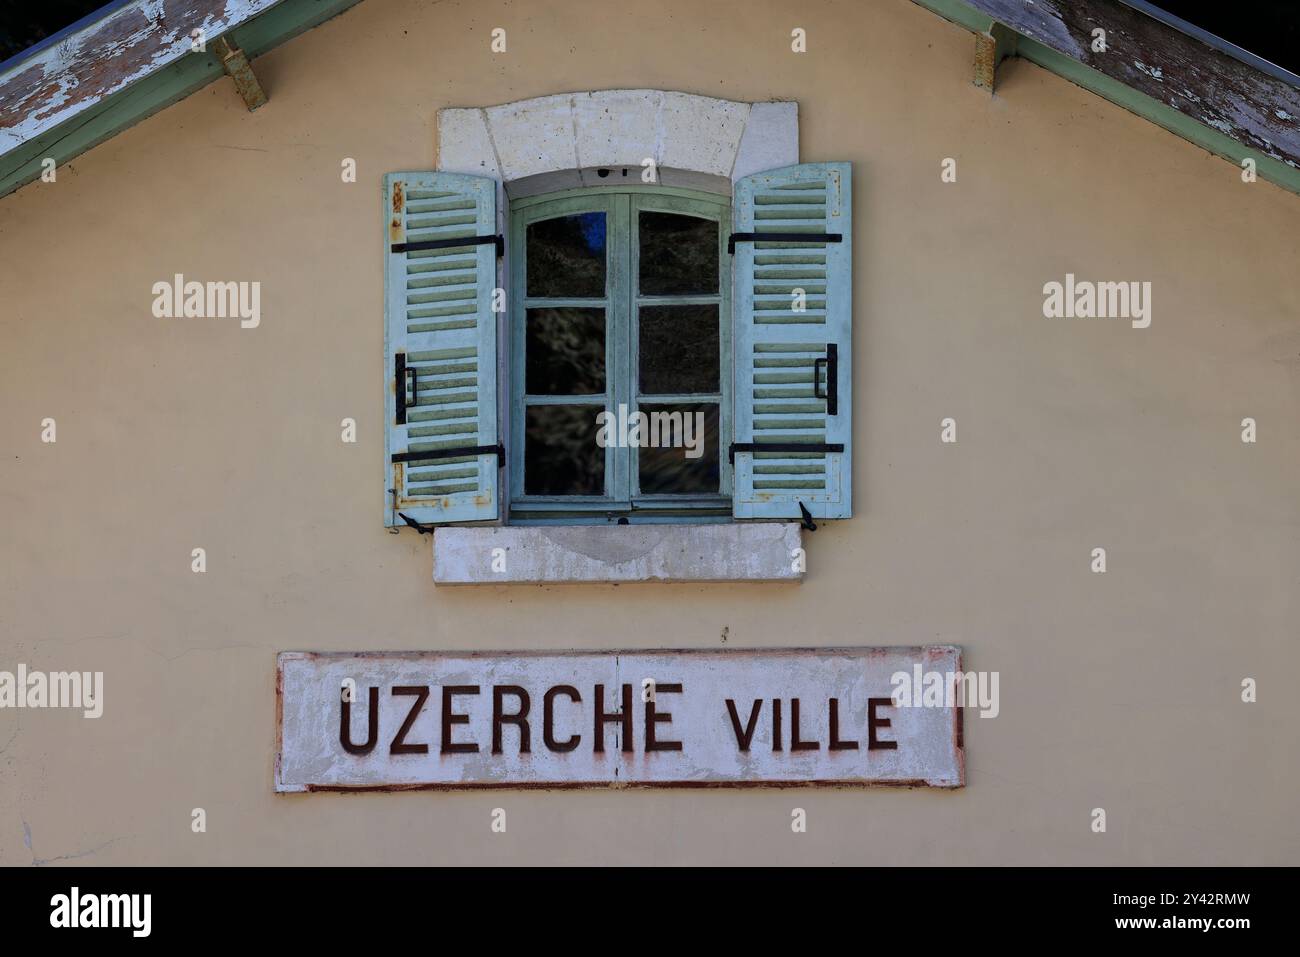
[(1208, 85), (991, 48), (237, 68), (30, 134), (67, 80), (1194, 90)]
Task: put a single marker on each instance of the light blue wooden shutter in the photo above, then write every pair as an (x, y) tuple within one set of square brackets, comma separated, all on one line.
[(440, 349), (793, 369)]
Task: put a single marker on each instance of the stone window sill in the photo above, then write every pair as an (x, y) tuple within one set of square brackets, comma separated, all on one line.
[(739, 552)]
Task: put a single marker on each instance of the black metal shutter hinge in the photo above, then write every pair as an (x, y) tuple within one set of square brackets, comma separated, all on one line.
[(498, 240), (781, 238)]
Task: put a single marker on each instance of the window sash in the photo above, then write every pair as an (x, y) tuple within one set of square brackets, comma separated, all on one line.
[(622, 302)]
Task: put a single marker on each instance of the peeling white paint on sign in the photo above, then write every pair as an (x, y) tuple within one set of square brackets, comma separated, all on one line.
[(608, 719)]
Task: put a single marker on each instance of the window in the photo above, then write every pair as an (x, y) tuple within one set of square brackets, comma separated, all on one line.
[(621, 306)]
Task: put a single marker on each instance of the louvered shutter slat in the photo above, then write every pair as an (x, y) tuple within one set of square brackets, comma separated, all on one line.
[(440, 324), (778, 346)]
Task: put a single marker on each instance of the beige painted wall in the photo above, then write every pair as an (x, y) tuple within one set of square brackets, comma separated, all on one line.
[(1118, 691)]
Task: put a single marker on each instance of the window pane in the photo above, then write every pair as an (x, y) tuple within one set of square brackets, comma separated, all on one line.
[(561, 456), (678, 349), (679, 255), (686, 459), (566, 256), (565, 352)]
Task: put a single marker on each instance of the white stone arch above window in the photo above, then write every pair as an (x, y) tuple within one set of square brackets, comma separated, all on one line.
[(565, 141)]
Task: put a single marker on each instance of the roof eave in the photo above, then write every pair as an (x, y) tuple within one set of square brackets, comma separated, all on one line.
[(1201, 92), (61, 98)]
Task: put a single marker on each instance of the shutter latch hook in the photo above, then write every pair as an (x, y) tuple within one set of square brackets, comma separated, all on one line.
[(418, 526), (807, 522)]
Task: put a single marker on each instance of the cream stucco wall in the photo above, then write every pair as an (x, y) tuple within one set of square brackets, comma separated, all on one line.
[(1118, 691)]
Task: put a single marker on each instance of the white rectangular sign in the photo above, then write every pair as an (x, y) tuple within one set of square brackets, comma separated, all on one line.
[(599, 719)]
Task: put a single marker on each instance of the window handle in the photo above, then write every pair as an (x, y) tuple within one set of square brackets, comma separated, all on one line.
[(832, 362)]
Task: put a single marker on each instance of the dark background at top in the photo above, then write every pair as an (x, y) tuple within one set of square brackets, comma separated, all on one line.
[(1267, 28), (26, 22)]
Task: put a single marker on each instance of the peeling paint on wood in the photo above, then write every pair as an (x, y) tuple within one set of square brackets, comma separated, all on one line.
[(152, 90), (76, 74), (772, 717), (1256, 110)]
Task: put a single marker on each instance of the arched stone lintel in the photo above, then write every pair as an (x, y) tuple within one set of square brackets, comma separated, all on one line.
[(564, 141)]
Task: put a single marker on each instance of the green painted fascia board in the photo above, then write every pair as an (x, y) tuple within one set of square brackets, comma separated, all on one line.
[(292, 17), (1163, 115), (1180, 124), (107, 119), (959, 13), (169, 85)]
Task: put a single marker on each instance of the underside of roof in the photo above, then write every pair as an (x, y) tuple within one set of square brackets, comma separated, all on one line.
[(1203, 89), (136, 57), (128, 61)]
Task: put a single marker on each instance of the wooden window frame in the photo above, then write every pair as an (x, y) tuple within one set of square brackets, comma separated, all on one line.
[(622, 500)]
